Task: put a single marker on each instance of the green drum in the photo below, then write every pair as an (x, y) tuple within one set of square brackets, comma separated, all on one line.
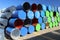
[(51, 14), (47, 13), (50, 25), (49, 19), (53, 24), (58, 19), (38, 27), (57, 14), (56, 23)]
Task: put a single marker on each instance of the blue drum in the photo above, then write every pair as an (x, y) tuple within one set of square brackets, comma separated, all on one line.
[(23, 31), (37, 14), (42, 13), (49, 8), (31, 29), (30, 14), (40, 20), (21, 15), (13, 32), (44, 7), (43, 26)]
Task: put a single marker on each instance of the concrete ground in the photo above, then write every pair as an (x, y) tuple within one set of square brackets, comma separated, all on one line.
[(47, 34)]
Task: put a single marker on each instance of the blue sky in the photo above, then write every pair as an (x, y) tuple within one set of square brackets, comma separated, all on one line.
[(7, 3)]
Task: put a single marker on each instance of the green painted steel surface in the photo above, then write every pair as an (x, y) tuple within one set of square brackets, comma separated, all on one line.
[(38, 27), (49, 19), (51, 13), (47, 13), (50, 25)]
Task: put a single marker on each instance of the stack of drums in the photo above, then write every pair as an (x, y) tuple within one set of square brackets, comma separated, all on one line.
[(30, 18)]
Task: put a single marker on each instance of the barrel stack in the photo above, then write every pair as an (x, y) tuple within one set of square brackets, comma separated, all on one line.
[(26, 19)]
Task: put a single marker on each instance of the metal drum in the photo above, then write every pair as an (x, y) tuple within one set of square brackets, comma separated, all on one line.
[(39, 7), (3, 23), (43, 26), (59, 9), (47, 13), (38, 27), (37, 14), (21, 15), (19, 7), (30, 14), (53, 19), (34, 21), (42, 14), (49, 19), (44, 7), (13, 32), (45, 19), (49, 8), (14, 14), (9, 9), (2, 34), (34, 7), (31, 29), (54, 24), (50, 25), (52, 8), (51, 13), (15, 22), (55, 8), (40, 20), (27, 22), (26, 6), (56, 21), (5, 15), (23, 31)]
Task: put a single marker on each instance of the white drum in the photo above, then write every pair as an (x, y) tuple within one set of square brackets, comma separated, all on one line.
[(3, 23), (2, 34)]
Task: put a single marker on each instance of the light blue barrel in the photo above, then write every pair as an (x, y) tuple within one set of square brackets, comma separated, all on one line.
[(59, 9), (31, 29), (49, 8), (23, 31), (14, 33), (43, 26), (37, 14), (45, 19), (44, 7), (52, 8), (21, 15), (30, 14), (40, 20), (55, 8), (42, 13)]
